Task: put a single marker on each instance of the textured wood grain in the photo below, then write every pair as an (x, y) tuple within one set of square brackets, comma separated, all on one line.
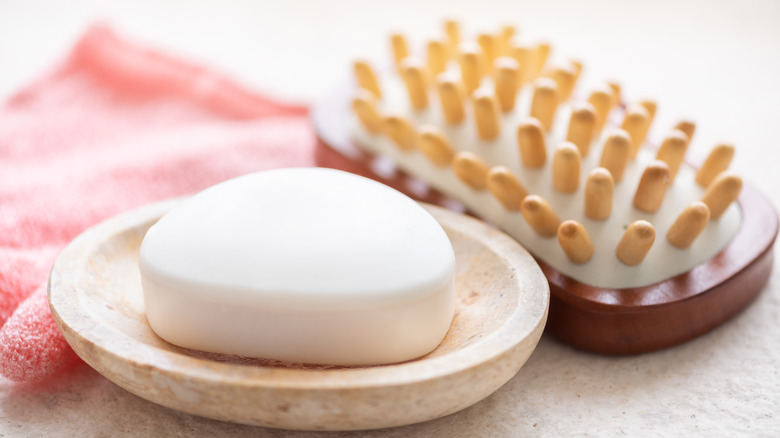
[(502, 300)]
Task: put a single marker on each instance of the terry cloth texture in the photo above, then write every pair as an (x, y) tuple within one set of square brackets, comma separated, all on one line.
[(114, 127)]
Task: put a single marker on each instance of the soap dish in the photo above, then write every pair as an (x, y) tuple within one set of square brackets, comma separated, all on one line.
[(502, 300)]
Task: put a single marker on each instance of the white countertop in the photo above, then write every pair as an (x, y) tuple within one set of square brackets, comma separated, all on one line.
[(715, 62)]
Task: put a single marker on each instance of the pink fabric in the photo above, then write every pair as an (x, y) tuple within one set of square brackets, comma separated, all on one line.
[(115, 127)]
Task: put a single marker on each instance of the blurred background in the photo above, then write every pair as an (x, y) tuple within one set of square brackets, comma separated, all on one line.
[(717, 62)]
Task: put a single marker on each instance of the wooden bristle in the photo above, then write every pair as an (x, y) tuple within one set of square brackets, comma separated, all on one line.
[(564, 78), (575, 242), (506, 188), (616, 92), (582, 126), (601, 99), (599, 191), (636, 124), (566, 168), (635, 243), (688, 225), (717, 161), (542, 54), (470, 169), (651, 107), (544, 102), (526, 62), (400, 49), (400, 132), (506, 81), (723, 190), (366, 78), (672, 151), (616, 153), (435, 146), (688, 127), (577, 67), (413, 74), (652, 187), (486, 114), (532, 143), (540, 216), (365, 107), (437, 57), (507, 32), (452, 96), (490, 47), (505, 37), (452, 29), (509, 65), (472, 66)]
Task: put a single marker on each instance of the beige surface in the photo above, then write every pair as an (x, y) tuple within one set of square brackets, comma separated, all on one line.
[(717, 62)]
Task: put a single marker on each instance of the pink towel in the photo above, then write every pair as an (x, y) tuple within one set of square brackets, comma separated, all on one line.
[(115, 127)]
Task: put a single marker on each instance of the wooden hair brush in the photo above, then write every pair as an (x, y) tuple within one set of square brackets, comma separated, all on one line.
[(642, 250)]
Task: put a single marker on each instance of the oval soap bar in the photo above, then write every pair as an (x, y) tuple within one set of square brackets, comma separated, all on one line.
[(303, 265)]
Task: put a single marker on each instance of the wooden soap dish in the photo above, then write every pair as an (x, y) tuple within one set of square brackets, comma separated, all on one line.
[(96, 298), (611, 321)]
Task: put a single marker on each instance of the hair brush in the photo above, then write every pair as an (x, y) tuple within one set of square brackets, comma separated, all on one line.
[(641, 249)]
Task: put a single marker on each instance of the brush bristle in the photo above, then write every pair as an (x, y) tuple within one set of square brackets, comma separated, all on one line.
[(482, 82)]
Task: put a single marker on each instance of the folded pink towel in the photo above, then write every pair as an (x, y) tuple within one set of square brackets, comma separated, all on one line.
[(113, 128)]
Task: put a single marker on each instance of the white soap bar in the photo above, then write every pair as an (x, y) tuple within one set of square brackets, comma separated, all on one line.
[(302, 265)]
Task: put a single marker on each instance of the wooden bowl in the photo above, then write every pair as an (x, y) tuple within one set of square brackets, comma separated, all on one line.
[(502, 299), (603, 320)]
